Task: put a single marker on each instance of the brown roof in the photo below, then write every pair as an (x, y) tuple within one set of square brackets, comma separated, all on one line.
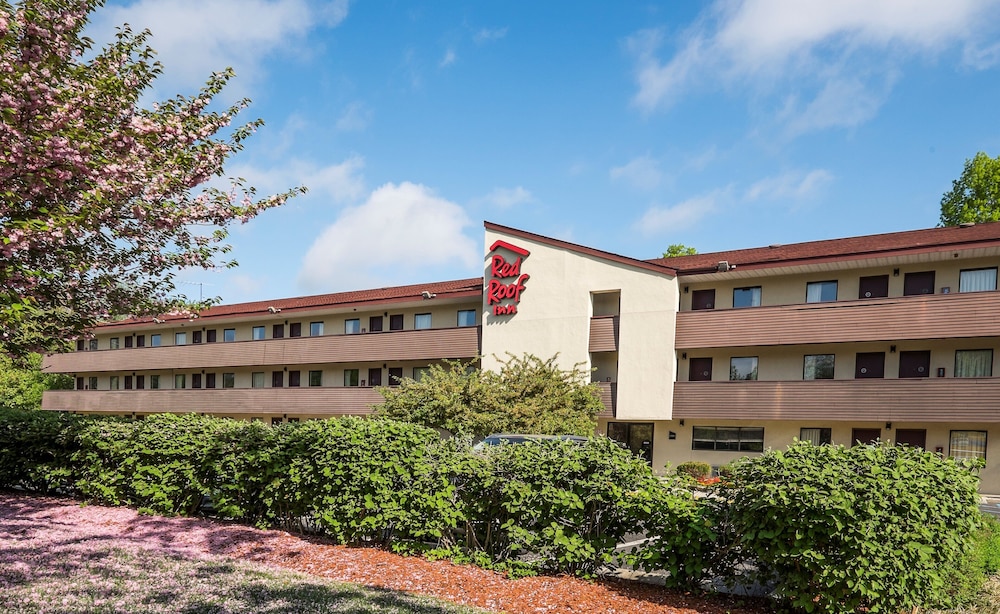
[(931, 239), (458, 288)]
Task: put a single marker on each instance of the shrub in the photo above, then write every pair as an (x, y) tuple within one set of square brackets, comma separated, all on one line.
[(696, 470), (869, 528), (35, 449)]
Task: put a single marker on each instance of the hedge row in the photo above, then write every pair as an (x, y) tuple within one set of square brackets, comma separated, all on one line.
[(832, 529)]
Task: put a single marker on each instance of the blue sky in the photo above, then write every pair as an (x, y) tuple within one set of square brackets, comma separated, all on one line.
[(626, 126)]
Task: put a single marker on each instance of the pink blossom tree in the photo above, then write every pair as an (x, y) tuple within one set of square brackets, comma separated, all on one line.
[(102, 201)]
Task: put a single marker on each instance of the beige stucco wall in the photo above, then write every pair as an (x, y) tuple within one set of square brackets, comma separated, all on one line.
[(554, 317)]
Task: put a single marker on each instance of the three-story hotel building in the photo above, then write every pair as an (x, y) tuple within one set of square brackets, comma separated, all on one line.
[(703, 357)]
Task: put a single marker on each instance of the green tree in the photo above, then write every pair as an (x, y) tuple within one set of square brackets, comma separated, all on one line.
[(22, 382), (527, 395), (975, 195), (679, 249)]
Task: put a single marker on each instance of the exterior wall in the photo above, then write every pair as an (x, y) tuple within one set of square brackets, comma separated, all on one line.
[(554, 315)]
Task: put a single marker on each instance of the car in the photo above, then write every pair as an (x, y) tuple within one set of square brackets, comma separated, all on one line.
[(496, 439)]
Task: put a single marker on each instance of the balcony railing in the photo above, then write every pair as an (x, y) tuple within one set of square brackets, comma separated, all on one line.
[(940, 316), (430, 344), (609, 396), (604, 334), (911, 400), (226, 401)]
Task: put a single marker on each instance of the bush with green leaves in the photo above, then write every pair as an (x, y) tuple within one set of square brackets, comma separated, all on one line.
[(870, 528), (696, 470), (35, 449)]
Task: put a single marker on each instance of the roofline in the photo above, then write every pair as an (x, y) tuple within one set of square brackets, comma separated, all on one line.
[(582, 249)]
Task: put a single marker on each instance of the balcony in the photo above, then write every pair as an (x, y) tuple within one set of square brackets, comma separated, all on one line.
[(939, 316), (609, 396), (890, 400), (228, 401), (431, 344), (604, 334)]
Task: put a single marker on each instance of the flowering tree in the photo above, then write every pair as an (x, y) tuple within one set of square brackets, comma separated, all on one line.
[(101, 199)]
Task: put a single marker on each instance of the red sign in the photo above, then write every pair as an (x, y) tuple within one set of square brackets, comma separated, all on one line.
[(506, 280)]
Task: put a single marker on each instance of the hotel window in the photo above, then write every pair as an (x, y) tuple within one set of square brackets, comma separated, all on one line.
[(257, 333), (294, 379), (113, 343), (154, 341), (229, 335), (315, 378), (351, 377), (977, 280), (869, 365), (743, 368), (211, 336), (728, 438), (700, 369), (817, 366), (918, 283), (875, 286), (93, 344), (229, 380), (140, 382), (295, 329), (154, 382), (210, 380), (703, 299), (817, 437), (315, 329), (420, 373), (821, 291), (113, 382), (92, 383), (974, 363), (466, 317), (277, 331), (352, 326), (277, 379), (257, 379), (746, 297), (196, 380), (395, 375), (180, 338), (375, 324), (396, 322), (421, 321), (967, 444), (179, 381)]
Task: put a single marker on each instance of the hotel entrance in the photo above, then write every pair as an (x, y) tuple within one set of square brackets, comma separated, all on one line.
[(636, 436)]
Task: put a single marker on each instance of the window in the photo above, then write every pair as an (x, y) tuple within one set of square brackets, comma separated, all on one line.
[(869, 365), (179, 381), (876, 286), (915, 364), (93, 343), (421, 321), (967, 444), (743, 368), (294, 379), (730, 438), (129, 341), (92, 383), (700, 370), (351, 377), (196, 380), (257, 333), (229, 380), (974, 363), (257, 379), (817, 366), (154, 382), (821, 291), (315, 378), (211, 336), (229, 334), (746, 297), (352, 326), (817, 437), (275, 421), (295, 329), (154, 341), (277, 379), (180, 338), (396, 322), (918, 283), (395, 375), (113, 343), (861, 437), (375, 324), (210, 380), (977, 280), (315, 329), (466, 317), (277, 331), (703, 299), (113, 382), (140, 382), (420, 373)]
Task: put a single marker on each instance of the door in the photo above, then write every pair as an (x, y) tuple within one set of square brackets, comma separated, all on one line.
[(876, 286), (918, 283), (869, 365), (703, 299), (863, 436), (395, 375), (277, 379), (636, 436), (375, 324), (375, 376), (912, 437), (700, 370), (915, 364)]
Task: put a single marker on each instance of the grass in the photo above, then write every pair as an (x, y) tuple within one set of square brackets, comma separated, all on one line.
[(114, 580)]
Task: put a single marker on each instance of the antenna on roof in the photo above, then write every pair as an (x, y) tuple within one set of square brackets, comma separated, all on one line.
[(200, 284)]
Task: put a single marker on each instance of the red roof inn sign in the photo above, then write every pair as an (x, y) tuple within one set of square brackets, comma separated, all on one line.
[(506, 280)]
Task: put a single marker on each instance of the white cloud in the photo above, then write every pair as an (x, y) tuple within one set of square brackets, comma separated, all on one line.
[(448, 59), (194, 38), (341, 182), (642, 173), (791, 185), (682, 215), (400, 233), (488, 35), (842, 54), (505, 198), (355, 118)]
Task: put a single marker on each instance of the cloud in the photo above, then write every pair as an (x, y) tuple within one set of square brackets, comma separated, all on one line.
[(642, 173), (448, 59), (402, 232), (682, 215), (839, 56), (488, 35), (341, 182), (355, 118), (194, 38), (505, 198), (791, 185)]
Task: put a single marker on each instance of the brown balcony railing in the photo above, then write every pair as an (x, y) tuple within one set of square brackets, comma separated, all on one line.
[(609, 396), (604, 334)]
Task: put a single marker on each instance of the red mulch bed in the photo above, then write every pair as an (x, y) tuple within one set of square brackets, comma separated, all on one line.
[(463, 584)]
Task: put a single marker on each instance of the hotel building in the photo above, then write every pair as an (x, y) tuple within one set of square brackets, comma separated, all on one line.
[(704, 357)]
